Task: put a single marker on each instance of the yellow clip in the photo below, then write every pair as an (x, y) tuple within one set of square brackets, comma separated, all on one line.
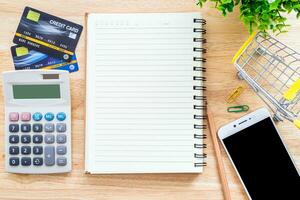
[(292, 92), (297, 123), (246, 43), (234, 94)]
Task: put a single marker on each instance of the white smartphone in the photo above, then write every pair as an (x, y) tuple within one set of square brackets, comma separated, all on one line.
[(260, 157)]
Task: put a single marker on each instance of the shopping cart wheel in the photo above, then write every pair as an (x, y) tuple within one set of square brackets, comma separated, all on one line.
[(240, 76), (277, 118), (261, 51), (254, 89)]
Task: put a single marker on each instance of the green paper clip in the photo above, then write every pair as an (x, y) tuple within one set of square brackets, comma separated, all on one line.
[(237, 109)]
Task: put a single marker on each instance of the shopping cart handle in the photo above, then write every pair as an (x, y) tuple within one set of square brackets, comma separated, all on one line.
[(292, 92), (297, 123), (246, 43)]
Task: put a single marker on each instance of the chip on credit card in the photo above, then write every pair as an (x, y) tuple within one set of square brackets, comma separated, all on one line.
[(25, 58), (48, 34)]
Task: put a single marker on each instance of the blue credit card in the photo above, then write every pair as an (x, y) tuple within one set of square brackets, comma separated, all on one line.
[(48, 34), (25, 58)]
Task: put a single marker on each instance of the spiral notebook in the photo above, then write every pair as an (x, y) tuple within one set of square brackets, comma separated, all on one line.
[(145, 102)]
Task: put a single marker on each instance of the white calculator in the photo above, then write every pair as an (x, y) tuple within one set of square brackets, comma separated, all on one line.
[(37, 121)]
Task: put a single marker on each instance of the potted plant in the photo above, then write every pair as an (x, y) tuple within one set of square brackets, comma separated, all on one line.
[(262, 15)]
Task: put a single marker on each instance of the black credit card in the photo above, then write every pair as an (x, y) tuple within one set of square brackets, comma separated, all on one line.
[(48, 34)]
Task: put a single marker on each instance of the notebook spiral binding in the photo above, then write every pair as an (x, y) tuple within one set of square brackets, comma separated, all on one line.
[(199, 88)]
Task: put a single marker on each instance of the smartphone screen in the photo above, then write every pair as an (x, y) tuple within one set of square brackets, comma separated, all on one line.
[(263, 162)]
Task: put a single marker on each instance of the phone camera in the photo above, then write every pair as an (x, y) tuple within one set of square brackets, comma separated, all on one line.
[(234, 126)]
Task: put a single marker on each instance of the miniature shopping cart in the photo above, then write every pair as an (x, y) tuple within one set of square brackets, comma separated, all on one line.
[(273, 71)]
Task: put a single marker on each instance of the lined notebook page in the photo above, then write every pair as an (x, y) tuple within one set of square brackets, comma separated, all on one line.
[(140, 105)]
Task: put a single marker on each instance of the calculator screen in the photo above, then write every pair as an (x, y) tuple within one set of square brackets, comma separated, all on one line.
[(51, 91)]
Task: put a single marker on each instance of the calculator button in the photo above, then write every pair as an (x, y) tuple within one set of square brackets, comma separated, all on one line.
[(14, 150), (61, 138), (14, 161), (26, 161), (25, 116), (37, 128), (37, 161), (61, 150), (37, 150), (37, 139), (13, 139), (61, 116), (49, 155), (13, 116), (61, 161), (25, 139), (25, 128), (49, 139), (25, 150), (49, 116), (13, 128), (37, 116), (49, 128), (61, 127)]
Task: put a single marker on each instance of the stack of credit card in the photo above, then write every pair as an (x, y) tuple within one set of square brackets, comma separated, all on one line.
[(45, 41)]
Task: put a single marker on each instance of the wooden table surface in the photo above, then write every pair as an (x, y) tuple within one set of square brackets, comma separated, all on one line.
[(224, 35)]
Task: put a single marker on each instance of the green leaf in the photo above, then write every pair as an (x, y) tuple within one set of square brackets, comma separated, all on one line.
[(296, 7), (260, 14), (230, 7), (226, 1), (280, 26), (265, 16), (274, 5)]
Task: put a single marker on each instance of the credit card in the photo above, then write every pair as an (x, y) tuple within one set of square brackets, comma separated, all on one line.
[(25, 58), (48, 34)]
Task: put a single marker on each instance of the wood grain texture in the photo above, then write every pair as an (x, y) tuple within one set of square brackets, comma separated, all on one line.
[(225, 36), (218, 155)]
